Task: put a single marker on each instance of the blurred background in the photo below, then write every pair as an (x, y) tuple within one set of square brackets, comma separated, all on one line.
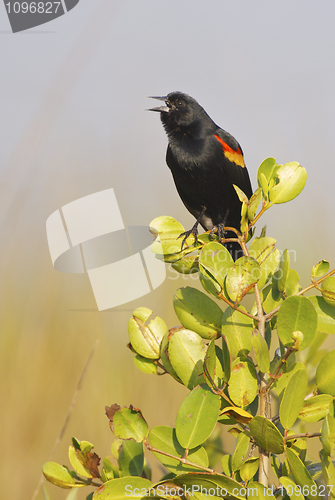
[(73, 122)]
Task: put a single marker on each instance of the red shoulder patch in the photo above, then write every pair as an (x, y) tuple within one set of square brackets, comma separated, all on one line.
[(230, 153)]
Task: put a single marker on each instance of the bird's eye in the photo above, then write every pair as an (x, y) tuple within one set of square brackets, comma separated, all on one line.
[(179, 103)]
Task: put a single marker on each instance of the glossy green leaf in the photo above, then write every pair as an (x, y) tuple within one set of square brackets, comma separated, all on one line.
[(293, 398), (78, 461), (228, 488), (249, 469), (320, 269), (165, 439), (271, 297), (186, 352), (131, 458), (291, 488), (282, 273), (226, 465), (328, 435), (213, 369), (263, 250), (297, 314), (216, 260), (166, 231), (187, 265), (165, 357), (267, 168), (266, 435), (108, 469), (58, 475), (261, 351), (282, 382), (197, 417), (328, 290), (240, 451), (129, 423), (292, 286), (243, 382), (328, 471), (325, 374), (253, 203), (237, 330), (259, 491), (146, 334), (290, 180), (123, 488), (326, 315), (242, 277), (198, 312), (300, 474), (315, 408), (145, 365)]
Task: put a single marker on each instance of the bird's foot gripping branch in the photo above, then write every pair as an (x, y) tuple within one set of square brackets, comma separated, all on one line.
[(223, 358)]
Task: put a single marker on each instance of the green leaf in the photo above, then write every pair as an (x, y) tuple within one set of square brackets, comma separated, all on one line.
[(129, 423), (241, 195), (187, 265), (326, 315), (59, 475), (228, 488), (197, 417), (266, 435), (240, 451), (131, 458), (259, 491), (297, 314), (197, 312), (263, 250), (328, 435), (213, 369), (325, 374), (282, 273), (293, 398), (282, 382), (215, 260), (290, 180), (242, 277), (237, 330), (226, 465), (107, 472), (300, 474), (146, 336), (328, 290), (78, 461), (249, 469), (165, 357), (271, 297), (123, 488), (243, 382), (291, 488), (145, 365), (328, 471), (315, 408), (186, 352), (267, 168), (253, 203), (166, 231), (261, 351), (320, 269), (164, 439)]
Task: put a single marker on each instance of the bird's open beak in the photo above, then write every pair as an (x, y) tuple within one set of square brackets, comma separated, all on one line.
[(164, 109)]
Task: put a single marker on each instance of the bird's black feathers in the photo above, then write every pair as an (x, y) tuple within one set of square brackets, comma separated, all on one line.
[(205, 162)]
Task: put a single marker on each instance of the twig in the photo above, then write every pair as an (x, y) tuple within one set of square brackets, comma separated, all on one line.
[(289, 351), (184, 461), (303, 435)]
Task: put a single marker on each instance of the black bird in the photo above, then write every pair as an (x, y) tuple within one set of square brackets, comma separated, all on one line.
[(205, 162)]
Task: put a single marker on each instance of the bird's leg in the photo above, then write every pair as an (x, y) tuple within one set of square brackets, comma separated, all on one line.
[(220, 227), (193, 230)]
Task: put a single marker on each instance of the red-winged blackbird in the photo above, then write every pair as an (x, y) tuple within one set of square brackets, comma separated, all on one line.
[(205, 162)]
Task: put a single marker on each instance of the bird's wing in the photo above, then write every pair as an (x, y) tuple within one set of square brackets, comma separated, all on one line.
[(233, 152)]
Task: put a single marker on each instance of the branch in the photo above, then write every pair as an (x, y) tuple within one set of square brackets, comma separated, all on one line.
[(184, 461), (303, 435)]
